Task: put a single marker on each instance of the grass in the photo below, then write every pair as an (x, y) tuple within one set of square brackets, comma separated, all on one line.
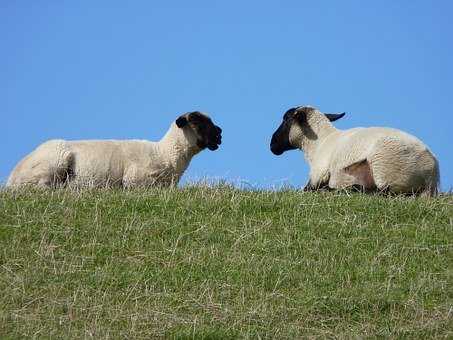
[(222, 263)]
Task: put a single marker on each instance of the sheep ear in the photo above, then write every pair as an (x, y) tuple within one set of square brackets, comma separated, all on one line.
[(301, 117), (335, 116), (181, 122)]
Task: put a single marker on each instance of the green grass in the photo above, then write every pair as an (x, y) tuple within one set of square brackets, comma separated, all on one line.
[(221, 263)]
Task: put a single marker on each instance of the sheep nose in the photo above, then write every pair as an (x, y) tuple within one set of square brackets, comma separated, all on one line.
[(275, 150), (273, 141), (274, 146)]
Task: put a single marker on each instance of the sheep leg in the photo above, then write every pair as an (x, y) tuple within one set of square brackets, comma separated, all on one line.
[(324, 185), (362, 174), (357, 176), (308, 186), (136, 176)]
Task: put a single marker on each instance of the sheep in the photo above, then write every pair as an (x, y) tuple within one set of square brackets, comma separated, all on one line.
[(372, 159), (119, 163)]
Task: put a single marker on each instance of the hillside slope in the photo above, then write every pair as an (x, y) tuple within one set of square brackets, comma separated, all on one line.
[(223, 263)]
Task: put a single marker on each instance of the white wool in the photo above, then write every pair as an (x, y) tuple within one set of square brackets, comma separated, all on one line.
[(398, 161), (98, 163)]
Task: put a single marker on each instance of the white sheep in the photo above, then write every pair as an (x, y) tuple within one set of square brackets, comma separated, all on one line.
[(374, 159), (122, 163)]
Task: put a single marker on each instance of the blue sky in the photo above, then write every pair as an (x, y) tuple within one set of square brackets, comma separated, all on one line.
[(111, 69)]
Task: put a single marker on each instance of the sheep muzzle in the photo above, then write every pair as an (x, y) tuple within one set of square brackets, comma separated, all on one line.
[(280, 140)]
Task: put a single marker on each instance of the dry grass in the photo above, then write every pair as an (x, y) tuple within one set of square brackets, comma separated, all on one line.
[(211, 263)]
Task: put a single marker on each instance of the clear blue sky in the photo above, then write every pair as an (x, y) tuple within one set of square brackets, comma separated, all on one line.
[(126, 69)]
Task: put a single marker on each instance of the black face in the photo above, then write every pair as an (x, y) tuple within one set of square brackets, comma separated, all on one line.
[(208, 135), (296, 115), (280, 139)]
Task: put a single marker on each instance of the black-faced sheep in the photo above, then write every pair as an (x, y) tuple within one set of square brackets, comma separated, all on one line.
[(374, 159), (121, 163)]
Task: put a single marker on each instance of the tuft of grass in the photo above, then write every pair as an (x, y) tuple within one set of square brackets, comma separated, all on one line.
[(221, 263)]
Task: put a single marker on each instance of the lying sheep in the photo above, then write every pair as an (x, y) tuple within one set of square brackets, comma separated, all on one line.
[(373, 159), (121, 163)]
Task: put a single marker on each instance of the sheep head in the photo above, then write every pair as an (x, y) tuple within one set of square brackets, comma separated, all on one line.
[(296, 127), (200, 128)]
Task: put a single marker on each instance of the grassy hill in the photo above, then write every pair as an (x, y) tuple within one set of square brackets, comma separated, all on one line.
[(219, 263)]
